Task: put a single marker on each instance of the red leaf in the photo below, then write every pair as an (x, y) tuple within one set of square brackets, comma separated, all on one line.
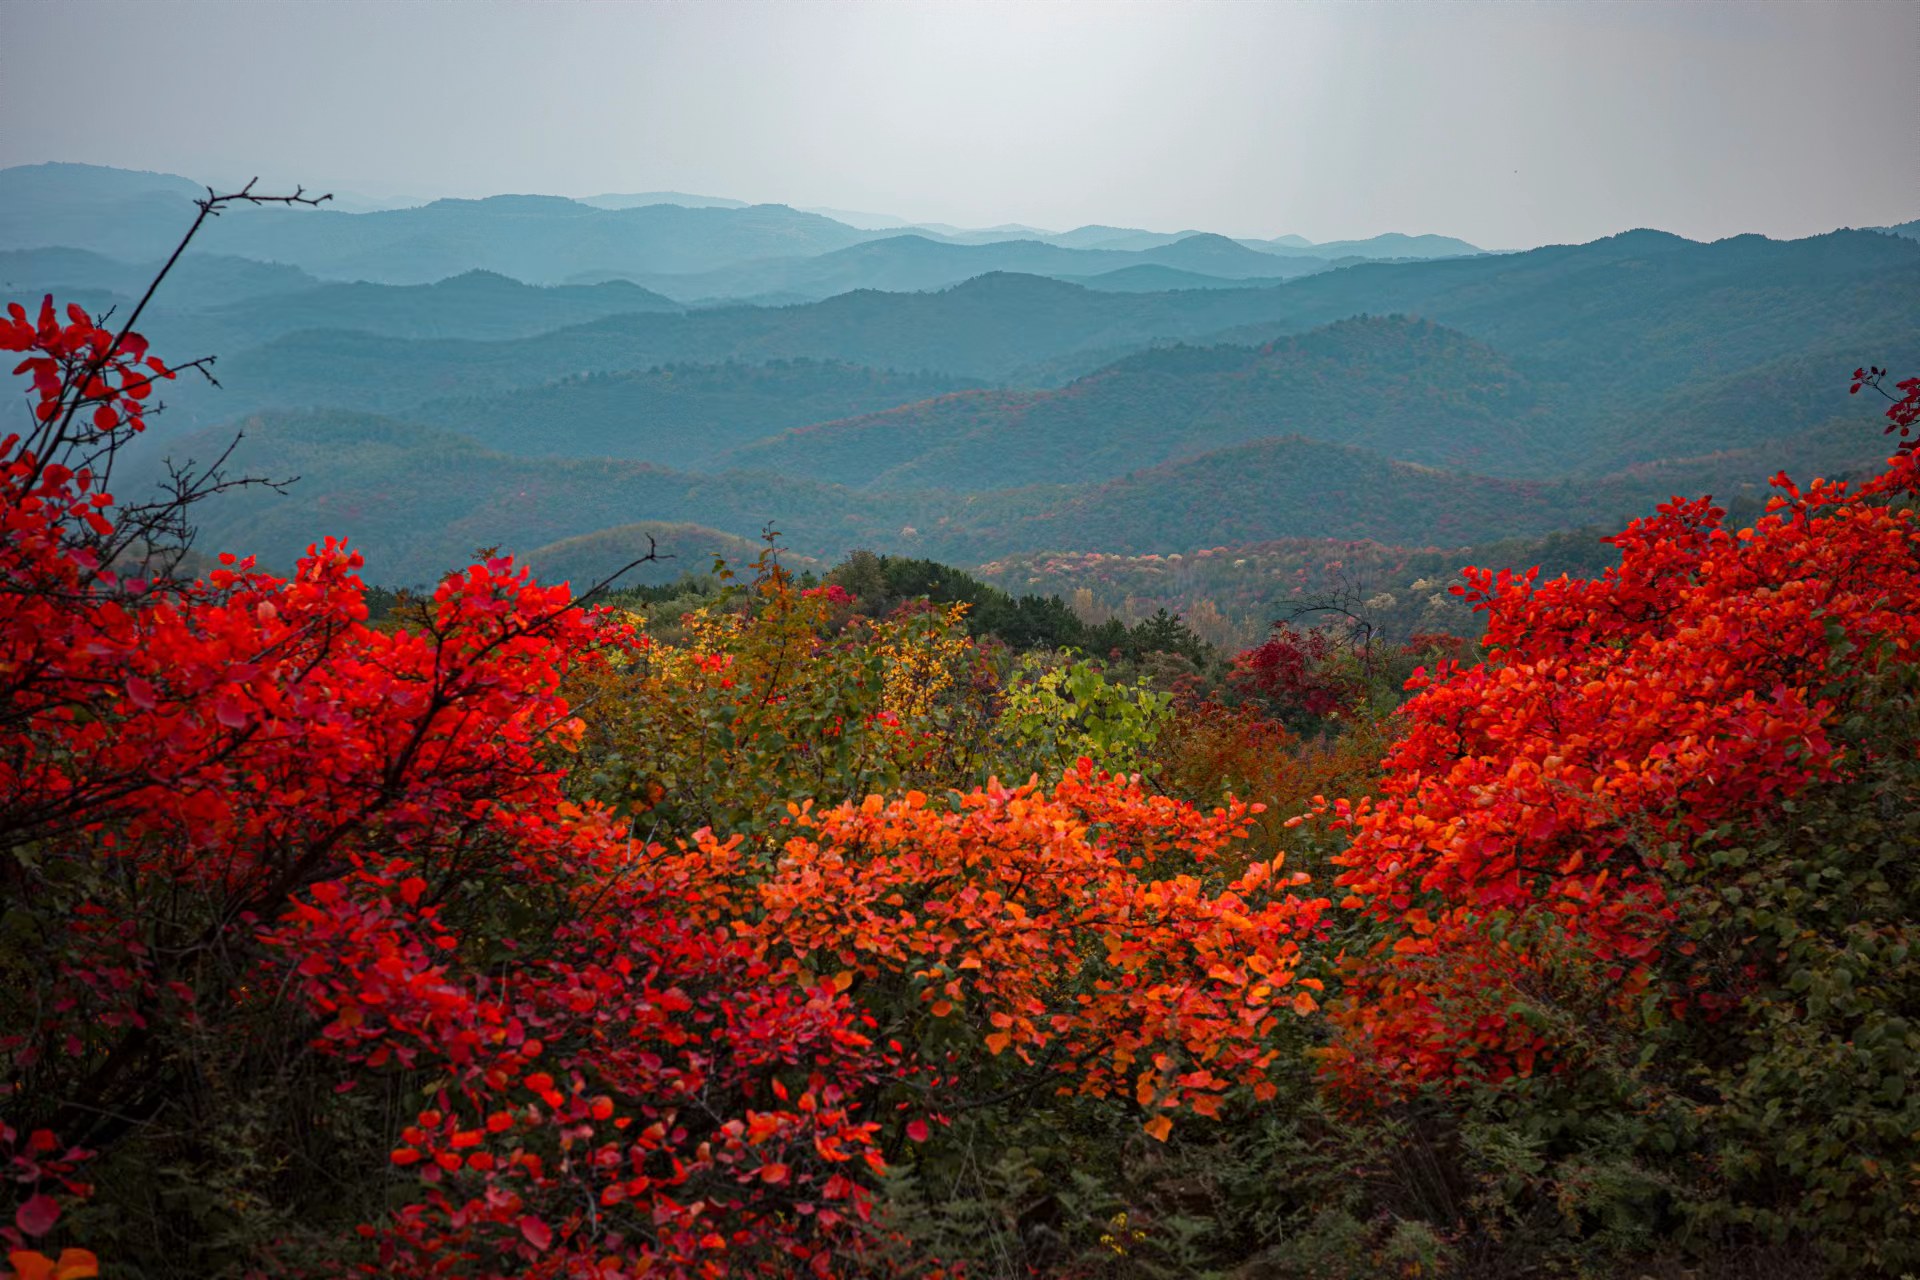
[(37, 1216), (537, 1233), (917, 1130)]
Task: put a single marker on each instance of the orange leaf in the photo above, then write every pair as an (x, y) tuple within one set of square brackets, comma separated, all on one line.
[(76, 1264), (1158, 1128)]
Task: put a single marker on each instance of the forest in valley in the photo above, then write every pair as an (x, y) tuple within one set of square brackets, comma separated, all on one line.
[(608, 739)]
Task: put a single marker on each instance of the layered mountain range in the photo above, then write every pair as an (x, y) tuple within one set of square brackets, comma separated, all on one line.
[(563, 378)]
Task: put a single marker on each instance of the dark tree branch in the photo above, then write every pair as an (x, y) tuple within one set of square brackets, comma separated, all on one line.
[(57, 430)]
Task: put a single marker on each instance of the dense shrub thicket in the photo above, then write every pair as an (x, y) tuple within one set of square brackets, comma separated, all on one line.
[(859, 928)]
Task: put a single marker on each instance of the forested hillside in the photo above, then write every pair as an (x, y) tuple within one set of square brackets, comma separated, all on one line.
[(679, 415), (1432, 396), (366, 469)]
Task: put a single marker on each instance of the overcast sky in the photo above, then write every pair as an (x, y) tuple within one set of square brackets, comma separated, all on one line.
[(1509, 125)]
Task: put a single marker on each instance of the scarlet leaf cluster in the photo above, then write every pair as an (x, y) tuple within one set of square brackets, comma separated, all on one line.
[(1530, 809), (1296, 673), (80, 365)]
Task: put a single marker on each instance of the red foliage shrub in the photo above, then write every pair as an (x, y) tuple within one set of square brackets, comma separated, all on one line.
[(1297, 674), (1528, 809)]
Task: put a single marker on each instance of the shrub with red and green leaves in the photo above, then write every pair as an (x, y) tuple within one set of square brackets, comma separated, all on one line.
[(1533, 811), (241, 821)]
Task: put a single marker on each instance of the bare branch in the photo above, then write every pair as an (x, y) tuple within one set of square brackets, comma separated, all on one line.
[(58, 428)]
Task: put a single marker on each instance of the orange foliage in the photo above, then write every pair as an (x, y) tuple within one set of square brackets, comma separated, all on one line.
[(1093, 930)]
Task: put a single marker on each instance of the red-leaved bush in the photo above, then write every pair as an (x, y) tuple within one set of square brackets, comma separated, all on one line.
[(1529, 809)]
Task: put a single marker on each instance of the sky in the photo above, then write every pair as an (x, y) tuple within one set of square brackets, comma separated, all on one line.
[(1508, 125)]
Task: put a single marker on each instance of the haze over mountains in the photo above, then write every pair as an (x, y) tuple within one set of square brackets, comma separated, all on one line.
[(559, 376), (689, 242)]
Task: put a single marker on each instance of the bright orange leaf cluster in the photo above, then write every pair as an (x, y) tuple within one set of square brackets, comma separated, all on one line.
[(1093, 930)]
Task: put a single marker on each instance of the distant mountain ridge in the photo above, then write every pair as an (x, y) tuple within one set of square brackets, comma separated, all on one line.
[(913, 262), (475, 304), (1640, 316), (677, 415), (537, 239), (640, 199)]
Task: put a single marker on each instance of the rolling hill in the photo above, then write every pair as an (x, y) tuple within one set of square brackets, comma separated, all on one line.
[(540, 239), (421, 499), (682, 549), (1148, 278), (199, 281), (676, 415), (1642, 312), (982, 330), (1295, 487), (1406, 388), (122, 213), (477, 304)]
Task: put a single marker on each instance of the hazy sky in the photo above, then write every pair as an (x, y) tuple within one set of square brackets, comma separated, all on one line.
[(1509, 124)]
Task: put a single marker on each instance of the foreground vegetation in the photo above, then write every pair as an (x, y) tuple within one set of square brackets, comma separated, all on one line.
[(854, 926)]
